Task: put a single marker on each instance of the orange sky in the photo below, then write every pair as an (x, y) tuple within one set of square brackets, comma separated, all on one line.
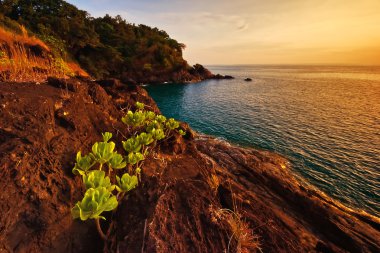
[(260, 32)]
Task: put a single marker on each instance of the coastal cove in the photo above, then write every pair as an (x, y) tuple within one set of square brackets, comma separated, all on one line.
[(116, 137), (324, 119)]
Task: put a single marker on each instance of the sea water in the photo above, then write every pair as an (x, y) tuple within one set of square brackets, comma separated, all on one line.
[(324, 119)]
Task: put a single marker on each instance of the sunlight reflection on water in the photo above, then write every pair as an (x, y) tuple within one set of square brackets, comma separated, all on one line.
[(326, 120)]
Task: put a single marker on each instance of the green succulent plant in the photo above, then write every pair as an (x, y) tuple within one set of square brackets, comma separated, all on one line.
[(134, 157), (95, 202), (83, 164), (145, 138), (96, 179), (150, 115), (102, 152), (140, 106), (172, 124), (161, 118), (117, 161), (153, 125), (98, 197), (134, 119), (157, 134), (132, 145), (106, 136), (126, 182)]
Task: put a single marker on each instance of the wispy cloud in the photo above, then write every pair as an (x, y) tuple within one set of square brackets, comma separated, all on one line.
[(254, 31), (193, 20)]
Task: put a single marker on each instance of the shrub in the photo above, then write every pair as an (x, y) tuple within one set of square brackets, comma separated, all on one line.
[(103, 178)]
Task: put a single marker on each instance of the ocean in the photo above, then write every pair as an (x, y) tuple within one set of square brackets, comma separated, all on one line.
[(324, 119)]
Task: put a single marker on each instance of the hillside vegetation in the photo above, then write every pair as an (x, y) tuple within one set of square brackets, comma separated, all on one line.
[(24, 57), (105, 46)]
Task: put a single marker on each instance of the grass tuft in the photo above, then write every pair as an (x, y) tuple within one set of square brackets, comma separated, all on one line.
[(26, 58)]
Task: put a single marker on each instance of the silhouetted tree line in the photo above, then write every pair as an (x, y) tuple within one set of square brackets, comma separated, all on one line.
[(105, 47)]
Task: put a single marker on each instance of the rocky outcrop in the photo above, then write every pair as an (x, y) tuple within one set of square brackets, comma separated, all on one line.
[(187, 74), (186, 191)]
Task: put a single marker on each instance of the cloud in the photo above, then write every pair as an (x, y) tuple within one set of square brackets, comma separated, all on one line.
[(227, 21), (254, 31), (199, 20)]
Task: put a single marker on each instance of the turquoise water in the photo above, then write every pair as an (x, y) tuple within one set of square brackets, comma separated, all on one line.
[(325, 120)]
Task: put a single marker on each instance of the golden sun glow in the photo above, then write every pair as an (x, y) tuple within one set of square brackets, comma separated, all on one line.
[(261, 32)]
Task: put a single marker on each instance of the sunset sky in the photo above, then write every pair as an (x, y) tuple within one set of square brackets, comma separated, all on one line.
[(259, 32)]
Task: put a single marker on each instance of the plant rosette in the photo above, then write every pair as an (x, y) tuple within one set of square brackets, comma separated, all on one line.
[(172, 124), (96, 179), (95, 202), (83, 164), (126, 183), (132, 145), (134, 157), (134, 119), (145, 138)]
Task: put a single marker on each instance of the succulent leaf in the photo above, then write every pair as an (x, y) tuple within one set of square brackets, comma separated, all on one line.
[(134, 119), (94, 202), (140, 106), (132, 145), (96, 179), (107, 136), (161, 118), (145, 138), (117, 161), (150, 115), (157, 134), (172, 124), (126, 183), (154, 125), (102, 152), (134, 157), (83, 164)]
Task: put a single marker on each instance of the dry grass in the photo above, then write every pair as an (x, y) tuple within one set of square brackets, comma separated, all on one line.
[(242, 237), (75, 68), (246, 240), (213, 182), (26, 58), (8, 37)]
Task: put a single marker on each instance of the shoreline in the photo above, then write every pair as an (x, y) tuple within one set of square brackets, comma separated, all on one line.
[(339, 172), (190, 181), (302, 180)]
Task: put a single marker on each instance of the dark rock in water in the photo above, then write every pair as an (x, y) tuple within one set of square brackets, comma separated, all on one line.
[(219, 76), (248, 79), (200, 72), (192, 74)]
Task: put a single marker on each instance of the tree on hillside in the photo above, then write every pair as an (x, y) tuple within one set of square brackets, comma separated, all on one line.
[(105, 46)]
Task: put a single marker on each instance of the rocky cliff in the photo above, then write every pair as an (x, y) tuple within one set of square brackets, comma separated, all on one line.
[(198, 194)]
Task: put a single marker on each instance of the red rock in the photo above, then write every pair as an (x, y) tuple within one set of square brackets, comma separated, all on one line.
[(179, 205)]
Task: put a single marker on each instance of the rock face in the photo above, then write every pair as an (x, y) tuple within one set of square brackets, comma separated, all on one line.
[(186, 191), (187, 74)]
